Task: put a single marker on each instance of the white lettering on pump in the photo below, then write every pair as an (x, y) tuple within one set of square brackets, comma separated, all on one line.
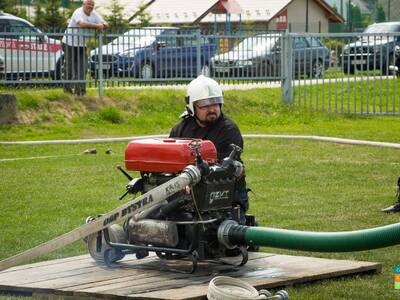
[(219, 195)]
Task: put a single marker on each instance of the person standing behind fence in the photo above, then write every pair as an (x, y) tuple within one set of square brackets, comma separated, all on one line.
[(74, 45)]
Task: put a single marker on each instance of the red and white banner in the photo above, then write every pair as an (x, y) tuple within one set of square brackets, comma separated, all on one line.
[(28, 46)]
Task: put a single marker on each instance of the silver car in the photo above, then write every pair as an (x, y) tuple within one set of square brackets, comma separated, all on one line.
[(261, 55), (26, 52)]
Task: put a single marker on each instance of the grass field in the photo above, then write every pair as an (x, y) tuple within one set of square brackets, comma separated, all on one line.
[(296, 184)]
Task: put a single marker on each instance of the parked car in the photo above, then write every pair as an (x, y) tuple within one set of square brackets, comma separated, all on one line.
[(374, 50), (151, 52), (260, 55), (26, 51)]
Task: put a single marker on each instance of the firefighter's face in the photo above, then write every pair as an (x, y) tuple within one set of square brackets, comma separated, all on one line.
[(208, 114)]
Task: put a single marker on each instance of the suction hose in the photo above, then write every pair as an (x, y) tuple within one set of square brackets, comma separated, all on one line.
[(231, 234)]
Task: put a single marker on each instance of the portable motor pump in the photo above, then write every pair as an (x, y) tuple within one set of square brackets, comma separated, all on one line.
[(185, 225)]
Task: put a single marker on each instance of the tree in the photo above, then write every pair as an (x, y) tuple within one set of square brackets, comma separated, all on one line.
[(9, 6), (355, 15), (54, 18), (48, 15), (380, 14), (116, 19), (334, 7), (143, 16), (5, 5), (39, 19), (356, 20)]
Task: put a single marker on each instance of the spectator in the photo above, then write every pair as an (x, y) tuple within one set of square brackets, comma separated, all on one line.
[(74, 45)]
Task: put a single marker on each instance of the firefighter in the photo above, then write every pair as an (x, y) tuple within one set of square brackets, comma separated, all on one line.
[(396, 206), (203, 119)]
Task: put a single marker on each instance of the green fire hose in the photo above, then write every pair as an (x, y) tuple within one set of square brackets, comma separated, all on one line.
[(232, 234)]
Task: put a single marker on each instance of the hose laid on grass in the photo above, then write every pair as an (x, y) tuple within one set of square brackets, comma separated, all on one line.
[(325, 139), (258, 136), (83, 141), (347, 241)]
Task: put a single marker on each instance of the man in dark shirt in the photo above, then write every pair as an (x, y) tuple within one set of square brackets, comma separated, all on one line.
[(204, 119)]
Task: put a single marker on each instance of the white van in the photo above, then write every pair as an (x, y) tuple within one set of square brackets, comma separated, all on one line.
[(27, 52)]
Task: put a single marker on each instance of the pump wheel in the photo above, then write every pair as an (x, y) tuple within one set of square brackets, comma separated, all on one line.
[(107, 254)]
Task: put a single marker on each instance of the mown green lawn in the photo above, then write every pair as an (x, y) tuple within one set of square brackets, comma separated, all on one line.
[(296, 184)]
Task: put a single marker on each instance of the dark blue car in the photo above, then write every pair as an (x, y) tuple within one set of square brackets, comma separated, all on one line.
[(155, 52), (375, 49)]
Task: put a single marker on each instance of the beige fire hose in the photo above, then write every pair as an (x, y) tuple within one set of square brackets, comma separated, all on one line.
[(228, 288)]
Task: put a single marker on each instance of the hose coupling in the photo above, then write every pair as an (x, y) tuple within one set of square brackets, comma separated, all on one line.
[(194, 173)]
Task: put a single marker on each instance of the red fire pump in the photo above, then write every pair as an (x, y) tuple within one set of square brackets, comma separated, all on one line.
[(165, 155), (184, 225)]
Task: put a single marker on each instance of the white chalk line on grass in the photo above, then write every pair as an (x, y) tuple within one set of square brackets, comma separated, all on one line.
[(36, 157), (251, 136)]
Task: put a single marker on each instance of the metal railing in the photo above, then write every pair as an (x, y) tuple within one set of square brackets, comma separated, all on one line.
[(357, 77), (31, 56), (341, 73)]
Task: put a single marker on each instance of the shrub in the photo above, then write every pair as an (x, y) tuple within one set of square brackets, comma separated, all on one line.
[(27, 101), (110, 114), (335, 45)]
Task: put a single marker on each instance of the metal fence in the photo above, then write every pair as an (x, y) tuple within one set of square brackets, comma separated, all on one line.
[(357, 77), (342, 73)]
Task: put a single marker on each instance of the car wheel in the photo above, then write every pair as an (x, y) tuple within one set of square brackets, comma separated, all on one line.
[(317, 70), (385, 66), (146, 71), (106, 74), (348, 69), (264, 69), (205, 70), (58, 73)]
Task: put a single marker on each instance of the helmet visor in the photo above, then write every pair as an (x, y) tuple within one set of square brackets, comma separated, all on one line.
[(209, 101)]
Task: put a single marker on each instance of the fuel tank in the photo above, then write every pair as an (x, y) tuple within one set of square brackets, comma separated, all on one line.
[(165, 155)]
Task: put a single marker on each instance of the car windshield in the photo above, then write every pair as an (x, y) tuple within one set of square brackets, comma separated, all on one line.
[(137, 37), (256, 43), (382, 28)]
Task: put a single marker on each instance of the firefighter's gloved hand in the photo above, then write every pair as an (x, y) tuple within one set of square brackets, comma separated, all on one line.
[(239, 169)]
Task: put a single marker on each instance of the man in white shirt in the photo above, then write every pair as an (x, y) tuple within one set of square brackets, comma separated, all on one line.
[(74, 45)]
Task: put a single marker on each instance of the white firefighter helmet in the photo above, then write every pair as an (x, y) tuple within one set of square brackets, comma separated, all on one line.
[(202, 91)]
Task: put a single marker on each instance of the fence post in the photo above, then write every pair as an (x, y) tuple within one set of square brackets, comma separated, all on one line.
[(287, 68), (100, 65), (198, 52)]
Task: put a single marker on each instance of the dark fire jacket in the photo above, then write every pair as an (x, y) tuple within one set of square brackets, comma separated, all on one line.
[(222, 133)]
